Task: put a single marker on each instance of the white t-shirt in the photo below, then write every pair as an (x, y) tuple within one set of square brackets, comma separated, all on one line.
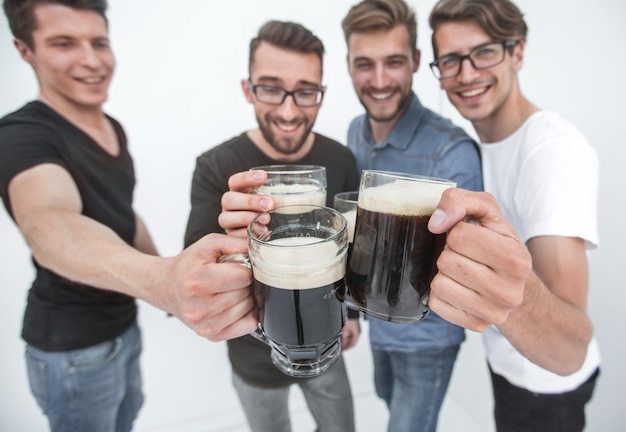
[(545, 178)]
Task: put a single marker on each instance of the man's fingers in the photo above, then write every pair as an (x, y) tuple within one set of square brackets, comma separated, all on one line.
[(246, 180)]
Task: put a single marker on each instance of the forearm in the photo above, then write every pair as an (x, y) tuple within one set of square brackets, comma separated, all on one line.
[(143, 241), (548, 330), (88, 252)]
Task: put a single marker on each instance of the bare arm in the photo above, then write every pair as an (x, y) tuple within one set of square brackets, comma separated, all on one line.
[(536, 296), (211, 298), (551, 327), (143, 241)]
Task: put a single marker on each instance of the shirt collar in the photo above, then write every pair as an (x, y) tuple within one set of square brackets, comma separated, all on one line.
[(402, 133)]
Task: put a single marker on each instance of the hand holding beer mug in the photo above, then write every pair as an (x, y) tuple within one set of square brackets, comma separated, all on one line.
[(394, 254), (294, 184), (298, 262)]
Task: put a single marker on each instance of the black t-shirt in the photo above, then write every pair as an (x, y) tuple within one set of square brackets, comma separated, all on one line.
[(60, 314), (249, 357)]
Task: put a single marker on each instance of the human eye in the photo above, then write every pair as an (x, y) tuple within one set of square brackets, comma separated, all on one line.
[(271, 90), (61, 43), (101, 43), (363, 65), (487, 51), (307, 93), (307, 97), (396, 62), (448, 62)]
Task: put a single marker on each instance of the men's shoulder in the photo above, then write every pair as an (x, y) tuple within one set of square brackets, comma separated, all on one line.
[(326, 141), (224, 149)]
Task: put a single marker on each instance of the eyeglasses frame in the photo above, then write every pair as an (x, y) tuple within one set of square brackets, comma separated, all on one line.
[(434, 66), (287, 93)]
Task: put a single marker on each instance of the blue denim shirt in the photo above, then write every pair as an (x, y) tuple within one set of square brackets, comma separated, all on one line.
[(422, 142)]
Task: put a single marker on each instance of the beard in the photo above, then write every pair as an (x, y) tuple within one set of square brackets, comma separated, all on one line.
[(283, 145), (394, 115)]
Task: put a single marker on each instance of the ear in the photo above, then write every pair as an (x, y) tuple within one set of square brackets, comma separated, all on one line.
[(247, 91), (518, 55), (417, 55), (25, 52)]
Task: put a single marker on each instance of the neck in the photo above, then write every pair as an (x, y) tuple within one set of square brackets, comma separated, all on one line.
[(505, 120), (84, 117)]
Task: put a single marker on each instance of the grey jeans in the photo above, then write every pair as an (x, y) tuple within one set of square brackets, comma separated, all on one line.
[(328, 396)]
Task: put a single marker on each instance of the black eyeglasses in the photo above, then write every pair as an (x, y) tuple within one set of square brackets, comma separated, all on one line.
[(276, 95), (482, 57)]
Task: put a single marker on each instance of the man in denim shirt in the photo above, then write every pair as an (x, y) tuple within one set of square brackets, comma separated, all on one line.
[(412, 362)]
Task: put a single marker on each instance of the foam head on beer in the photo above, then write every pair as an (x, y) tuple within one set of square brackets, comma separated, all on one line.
[(299, 263), (403, 197)]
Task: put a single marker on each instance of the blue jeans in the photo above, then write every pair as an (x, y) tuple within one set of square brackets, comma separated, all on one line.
[(95, 389), (413, 384)]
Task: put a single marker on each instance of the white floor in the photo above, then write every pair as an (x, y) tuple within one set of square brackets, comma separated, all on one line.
[(193, 394)]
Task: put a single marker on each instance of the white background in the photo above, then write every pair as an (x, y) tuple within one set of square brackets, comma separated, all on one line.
[(177, 93)]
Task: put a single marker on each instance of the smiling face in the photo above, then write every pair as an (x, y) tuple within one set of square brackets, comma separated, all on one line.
[(381, 65), (286, 127), (72, 57), (485, 97)]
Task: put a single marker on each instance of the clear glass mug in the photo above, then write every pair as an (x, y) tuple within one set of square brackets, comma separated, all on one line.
[(394, 255), (294, 184), (298, 260), (346, 203)]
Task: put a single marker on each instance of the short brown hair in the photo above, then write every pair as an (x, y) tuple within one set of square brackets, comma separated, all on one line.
[(373, 15), (289, 36), (22, 20), (500, 19)]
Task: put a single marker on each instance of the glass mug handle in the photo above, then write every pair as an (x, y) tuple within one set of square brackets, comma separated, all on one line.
[(243, 259)]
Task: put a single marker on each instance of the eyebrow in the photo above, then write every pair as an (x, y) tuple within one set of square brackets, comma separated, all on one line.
[(277, 81), (470, 50)]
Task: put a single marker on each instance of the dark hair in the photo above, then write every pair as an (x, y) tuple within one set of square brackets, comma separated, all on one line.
[(22, 20), (500, 19), (289, 36), (373, 15)]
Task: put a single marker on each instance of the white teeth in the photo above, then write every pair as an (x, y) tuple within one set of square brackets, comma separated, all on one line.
[(92, 80), (475, 92), (287, 128), (381, 96)]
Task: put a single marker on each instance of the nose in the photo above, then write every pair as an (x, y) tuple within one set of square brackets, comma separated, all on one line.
[(379, 78), (90, 56), (288, 110), (467, 72)]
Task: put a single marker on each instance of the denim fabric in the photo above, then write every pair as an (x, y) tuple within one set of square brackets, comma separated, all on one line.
[(519, 410), (422, 142), (95, 389), (328, 396), (413, 385)]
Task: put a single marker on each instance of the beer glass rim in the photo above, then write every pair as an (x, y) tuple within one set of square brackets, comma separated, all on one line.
[(343, 195), (342, 230), (409, 176), (290, 168)]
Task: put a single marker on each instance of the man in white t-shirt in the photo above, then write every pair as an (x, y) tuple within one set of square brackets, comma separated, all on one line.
[(543, 357)]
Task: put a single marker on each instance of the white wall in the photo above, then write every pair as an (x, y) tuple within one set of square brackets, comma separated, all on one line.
[(177, 92)]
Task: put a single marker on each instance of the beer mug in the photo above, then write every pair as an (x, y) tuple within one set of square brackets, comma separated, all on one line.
[(298, 260), (394, 255), (345, 203), (294, 184)]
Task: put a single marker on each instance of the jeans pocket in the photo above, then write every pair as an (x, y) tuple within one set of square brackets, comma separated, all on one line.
[(97, 355), (37, 370)]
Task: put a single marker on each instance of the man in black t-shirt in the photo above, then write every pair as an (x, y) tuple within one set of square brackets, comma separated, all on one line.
[(285, 88), (67, 180)]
